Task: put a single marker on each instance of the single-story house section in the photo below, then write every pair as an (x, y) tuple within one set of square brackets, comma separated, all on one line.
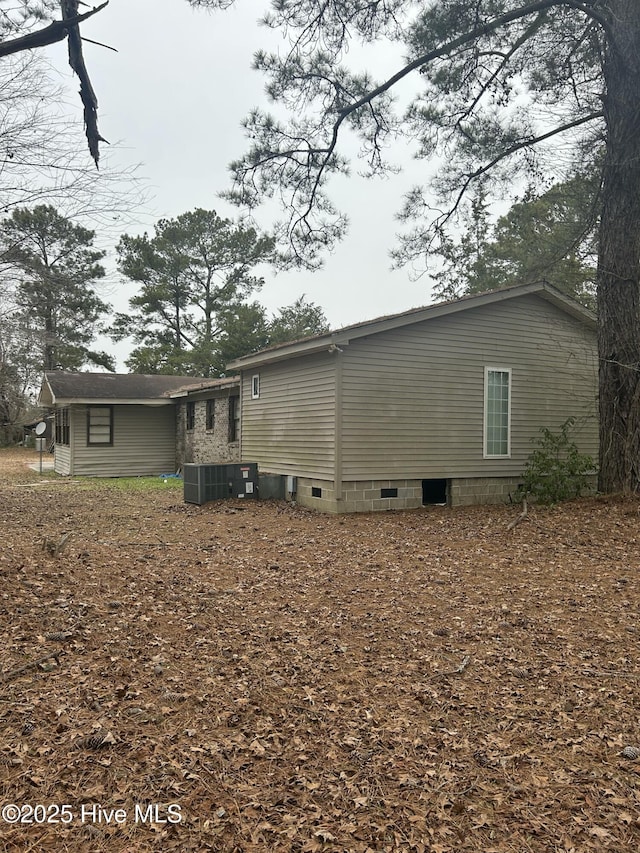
[(436, 404), (208, 418), (113, 425)]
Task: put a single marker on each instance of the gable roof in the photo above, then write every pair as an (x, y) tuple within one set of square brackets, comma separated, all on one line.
[(342, 337), (63, 387)]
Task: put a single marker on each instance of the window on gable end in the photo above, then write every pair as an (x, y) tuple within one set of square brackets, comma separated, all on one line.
[(62, 431)]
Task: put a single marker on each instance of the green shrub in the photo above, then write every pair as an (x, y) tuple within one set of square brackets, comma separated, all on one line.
[(556, 470)]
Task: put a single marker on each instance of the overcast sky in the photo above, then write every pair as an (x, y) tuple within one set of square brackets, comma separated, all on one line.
[(172, 99)]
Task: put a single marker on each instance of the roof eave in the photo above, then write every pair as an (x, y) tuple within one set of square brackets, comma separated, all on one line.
[(333, 341), (327, 343), (229, 382), (557, 298), (111, 401)]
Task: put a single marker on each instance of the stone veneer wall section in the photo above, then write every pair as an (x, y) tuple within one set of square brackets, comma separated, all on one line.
[(202, 445)]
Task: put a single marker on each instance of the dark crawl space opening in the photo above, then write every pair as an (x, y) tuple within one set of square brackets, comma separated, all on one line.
[(434, 492)]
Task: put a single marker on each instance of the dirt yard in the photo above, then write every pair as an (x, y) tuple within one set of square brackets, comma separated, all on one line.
[(257, 677)]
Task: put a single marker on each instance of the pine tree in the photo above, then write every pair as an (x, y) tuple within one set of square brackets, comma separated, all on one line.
[(190, 271), (503, 89), (56, 302)]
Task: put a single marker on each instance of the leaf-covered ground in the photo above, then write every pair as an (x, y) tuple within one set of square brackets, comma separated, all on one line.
[(413, 681)]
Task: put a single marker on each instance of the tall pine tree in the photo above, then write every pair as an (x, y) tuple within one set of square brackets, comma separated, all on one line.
[(56, 302), (190, 271), (502, 87)]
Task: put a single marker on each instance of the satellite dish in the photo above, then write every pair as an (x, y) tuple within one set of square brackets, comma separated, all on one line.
[(40, 428)]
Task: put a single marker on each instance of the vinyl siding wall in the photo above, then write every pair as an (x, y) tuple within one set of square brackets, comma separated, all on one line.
[(290, 428), (62, 459), (413, 398), (144, 443)]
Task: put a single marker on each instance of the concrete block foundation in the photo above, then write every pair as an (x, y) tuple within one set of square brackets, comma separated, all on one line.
[(377, 495)]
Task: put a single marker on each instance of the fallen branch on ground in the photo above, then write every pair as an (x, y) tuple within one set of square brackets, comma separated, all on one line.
[(5, 676)]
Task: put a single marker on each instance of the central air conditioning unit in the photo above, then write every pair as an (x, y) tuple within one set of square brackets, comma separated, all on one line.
[(206, 482), (203, 483)]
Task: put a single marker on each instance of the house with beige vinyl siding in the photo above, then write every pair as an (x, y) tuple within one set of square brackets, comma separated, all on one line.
[(434, 405), (123, 425)]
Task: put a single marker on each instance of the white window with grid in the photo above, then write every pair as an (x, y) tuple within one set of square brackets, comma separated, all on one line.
[(497, 412)]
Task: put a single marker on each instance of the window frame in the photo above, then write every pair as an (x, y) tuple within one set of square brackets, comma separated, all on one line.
[(210, 414), (190, 416), (234, 418), (255, 386), (62, 431), (489, 369), (92, 442)]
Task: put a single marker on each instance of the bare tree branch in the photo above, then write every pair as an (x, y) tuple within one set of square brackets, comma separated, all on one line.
[(55, 32), (68, 28), (502, 65), (461, 41), (76, 61)]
